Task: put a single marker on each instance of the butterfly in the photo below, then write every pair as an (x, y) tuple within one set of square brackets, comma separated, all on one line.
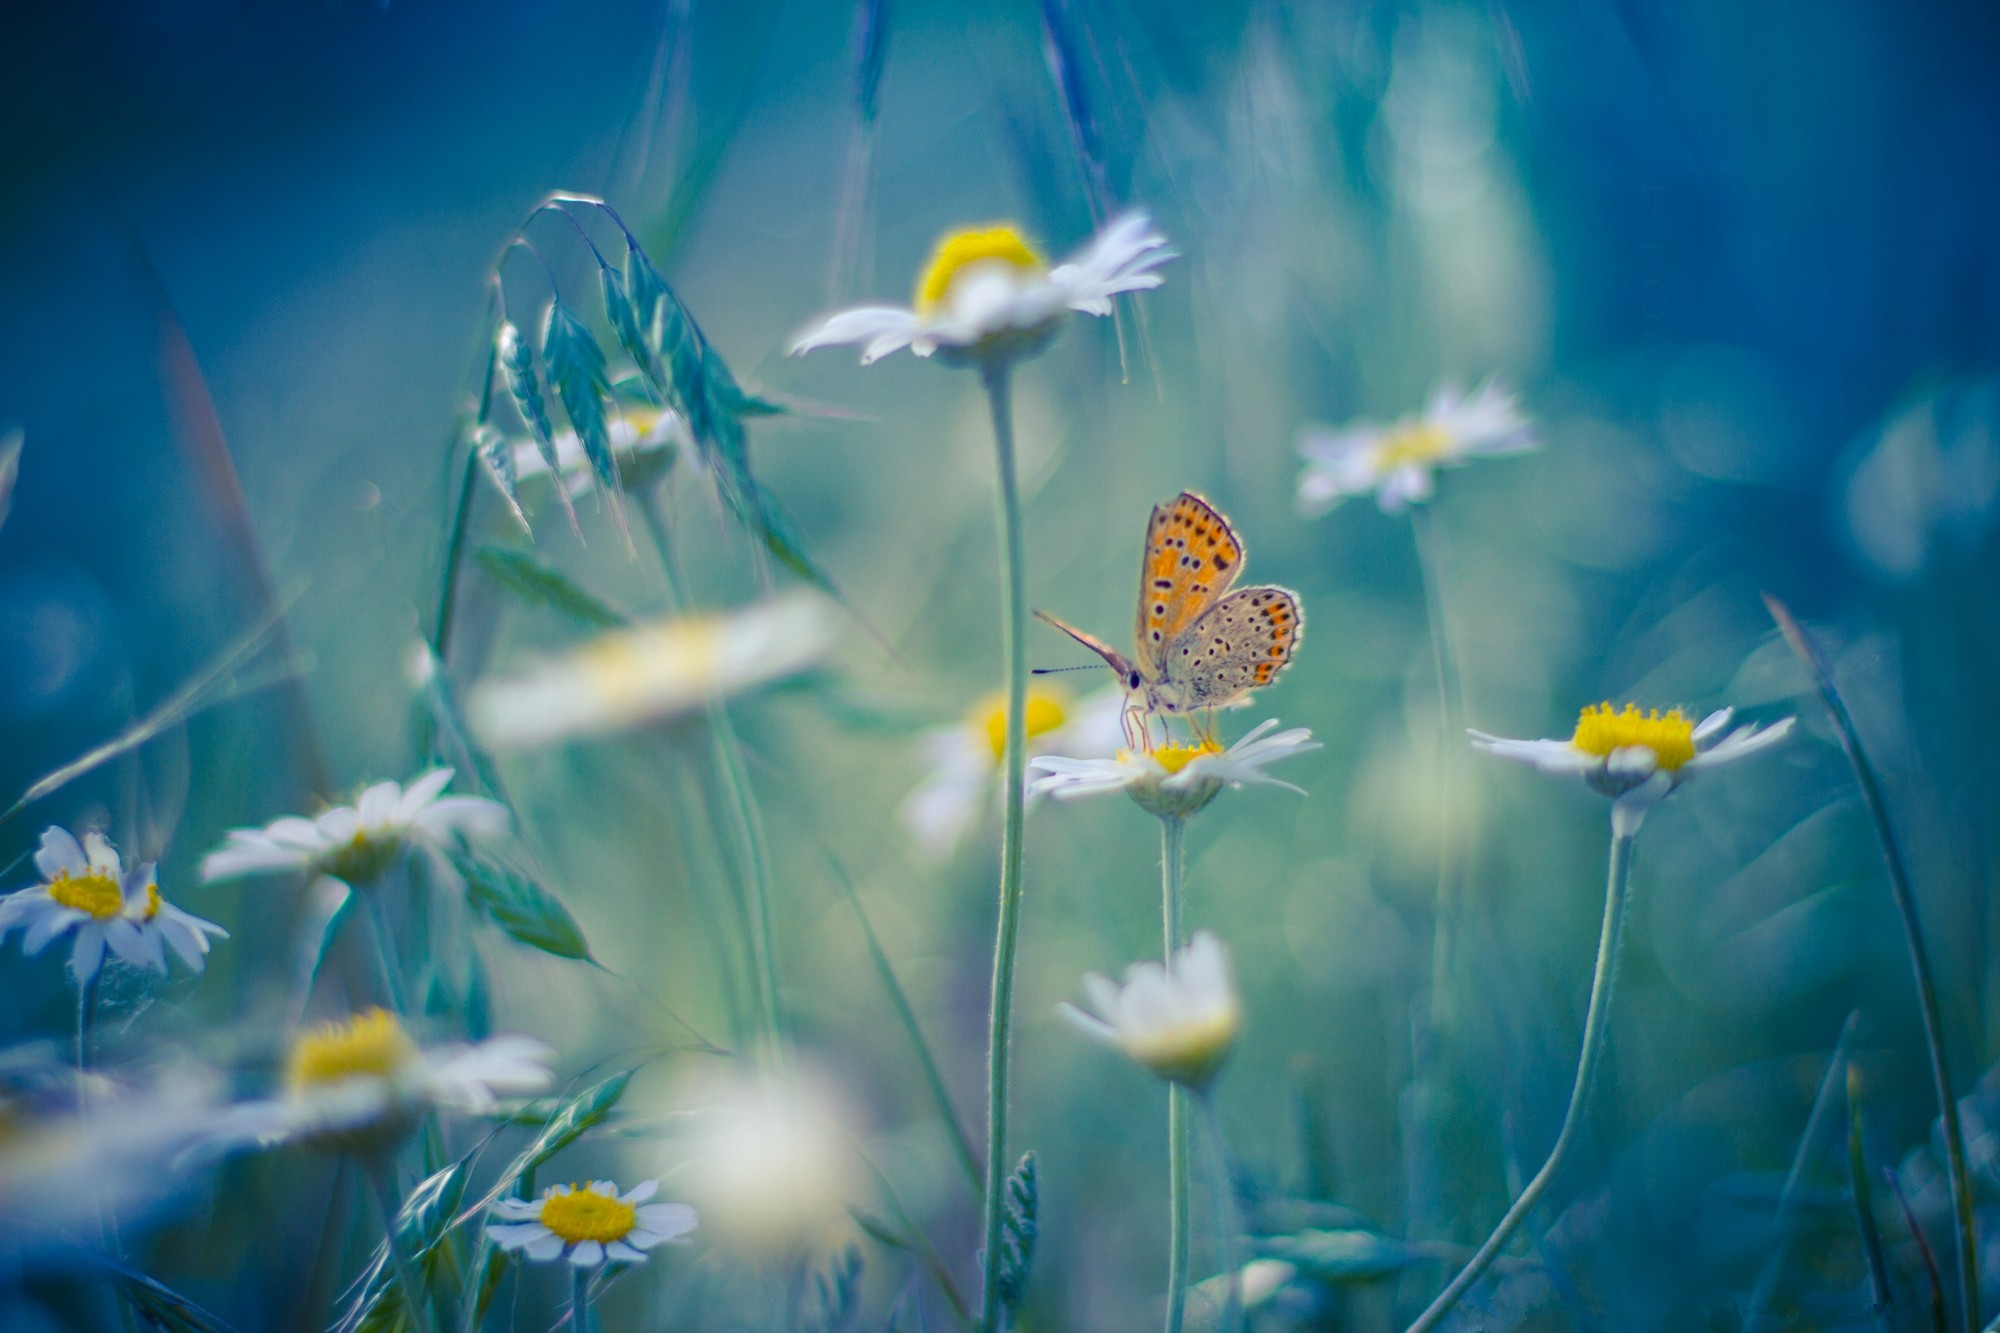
[(1199, 646)]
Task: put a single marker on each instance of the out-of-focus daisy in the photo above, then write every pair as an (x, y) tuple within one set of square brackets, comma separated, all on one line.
[(1174, 781), (88, 891), (1178, 1020), (1637, 758), (359, 843), (768, 1159), (592, 1224), (652, 672), (1397, 462), (645, 441), (963, 760), (987, 295), (363, 1083)]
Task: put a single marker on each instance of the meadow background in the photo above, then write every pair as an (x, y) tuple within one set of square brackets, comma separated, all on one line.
[(1741, 263)]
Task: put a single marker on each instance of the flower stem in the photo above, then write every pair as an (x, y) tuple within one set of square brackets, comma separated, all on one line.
[(1228, 1226), (385, 949), (579, 1300), (86, 1024), (377, 1171), (1173, 834), (1595, 1028), (1913, 937), (1013, 633), (741, 802), (454, 555), (1451, 739)]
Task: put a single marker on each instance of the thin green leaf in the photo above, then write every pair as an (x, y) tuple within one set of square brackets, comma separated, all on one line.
[(534, 580), (522, 908), (161, 1305), (10, 468)]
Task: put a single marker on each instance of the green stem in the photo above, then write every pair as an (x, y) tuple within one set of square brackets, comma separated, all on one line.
[(454, 555), (1173, 834), (1595, 1028), (579, 1300), (1228, 1226), (385, 949), (741, 802), (1451, 737), (86, 1024), (1913, 937), (1013, 626), (377, 1171)]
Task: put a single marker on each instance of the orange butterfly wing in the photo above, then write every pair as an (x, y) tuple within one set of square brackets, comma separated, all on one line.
[(1192, 557)]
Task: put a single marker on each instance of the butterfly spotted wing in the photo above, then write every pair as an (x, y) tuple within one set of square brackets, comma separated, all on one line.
[(1239, 645), (1112, 657), (1192, 557)]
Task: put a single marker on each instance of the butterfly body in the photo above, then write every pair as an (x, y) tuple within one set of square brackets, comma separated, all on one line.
[(1198, 644)]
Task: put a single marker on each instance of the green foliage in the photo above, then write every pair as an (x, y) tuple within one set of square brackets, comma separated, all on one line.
[(534, 580), (524, 909), (836, 1294), (427, 1217), (163, 1307), (1017, 1241)]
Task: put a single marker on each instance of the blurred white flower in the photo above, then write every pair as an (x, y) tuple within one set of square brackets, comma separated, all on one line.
[(964, 759), (987, 295), (591, 1224), (768, 1161), (1178, 1020), (87, 890), (362, 1083), (652, 672), (1175, 780), (644, 440), (1638, 758), (1396, 462), (358, 843)]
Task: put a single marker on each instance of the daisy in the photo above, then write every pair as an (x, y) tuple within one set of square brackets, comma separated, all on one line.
[(645, 440), (650, 673), (359, 843), (1178, 1020), (591, 1224), (988, 296), (1174, 781), (964, 759), (1397, 462), (362, 1083), (87, 890), (1638, 758), (769, 1160)]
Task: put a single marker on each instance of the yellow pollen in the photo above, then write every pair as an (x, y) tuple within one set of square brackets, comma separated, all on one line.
[(584, 1214), (1417, 442), (1044, 715), (1174, 758), (370, 1044), (152, 903), (1670, 736), (960, 250), (94, 892)]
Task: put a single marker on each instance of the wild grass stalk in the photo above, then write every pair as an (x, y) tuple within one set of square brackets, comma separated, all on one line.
[(1913, 937), (994, 378)]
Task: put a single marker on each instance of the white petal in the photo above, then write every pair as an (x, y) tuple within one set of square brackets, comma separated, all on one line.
[(421, 793), (102, 855), (641, 1192), (60, 853), (88, 955), (587, 1254), (48, 925), (874, 325), (544, 1248), (620, 1253), (666, 1222), (513, 1235)]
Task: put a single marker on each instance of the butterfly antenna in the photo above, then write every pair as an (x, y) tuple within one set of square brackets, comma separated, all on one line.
[(1051, 671)]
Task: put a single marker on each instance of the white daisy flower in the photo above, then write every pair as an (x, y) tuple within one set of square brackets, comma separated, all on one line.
[(964, 759), (650, 673), (87, 891), (1175, 780), (768, 1157), (359, 843), (644, 440), (592, 1224), (1178, 1020), (987, 295), (1638, 758), (1397, 462), (363, 1083)]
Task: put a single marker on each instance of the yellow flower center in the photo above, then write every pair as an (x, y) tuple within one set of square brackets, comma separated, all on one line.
[(370, 1044), (960, 250), (1190, 1052), (152, 903), (1044, 715), (94, 892), (1174, 758), (1418, 442), (584, 1214), (1670, 736)]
